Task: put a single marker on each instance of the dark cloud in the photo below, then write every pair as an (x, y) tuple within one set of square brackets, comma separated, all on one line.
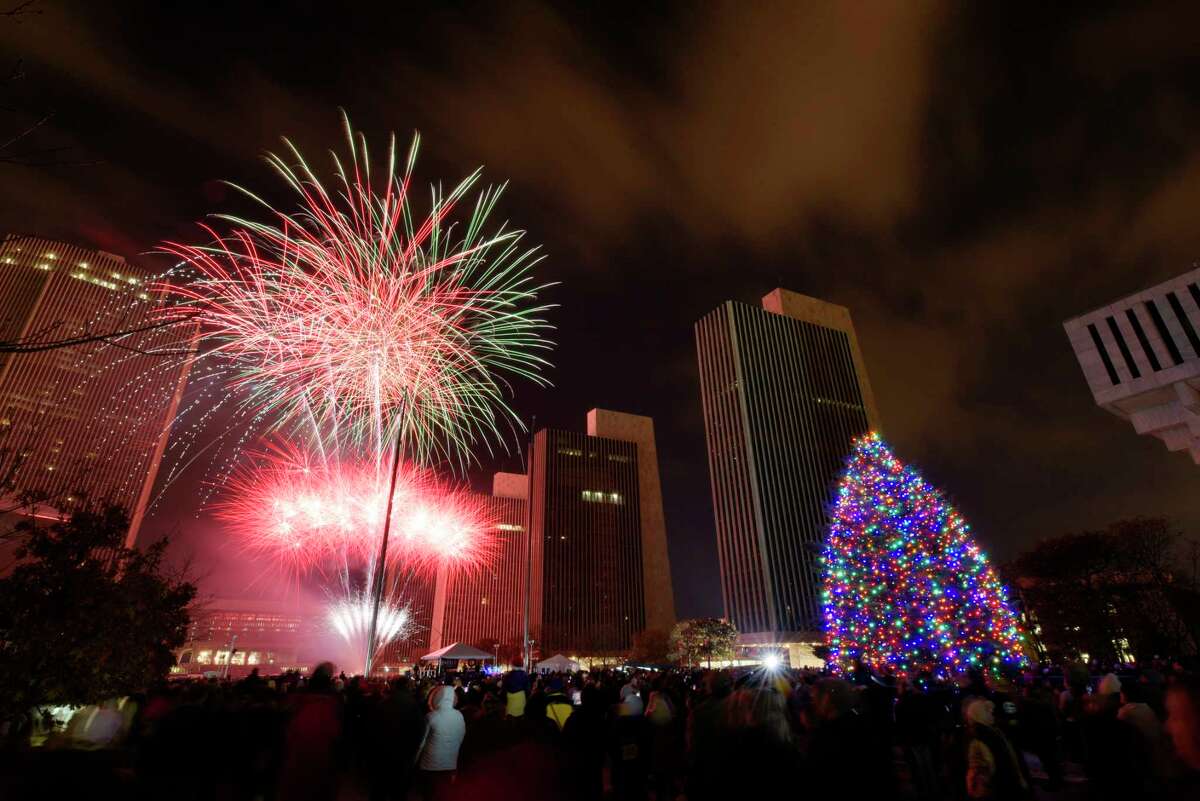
[(964, 177)]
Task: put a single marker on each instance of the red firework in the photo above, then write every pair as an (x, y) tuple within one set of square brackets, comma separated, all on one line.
[(355, 312), (310, 513)]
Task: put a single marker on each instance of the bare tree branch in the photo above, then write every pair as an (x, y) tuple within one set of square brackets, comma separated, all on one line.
[(19, 346)]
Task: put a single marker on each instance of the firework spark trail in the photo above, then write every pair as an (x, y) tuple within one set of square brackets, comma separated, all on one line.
[(351, 314), (350, 617)]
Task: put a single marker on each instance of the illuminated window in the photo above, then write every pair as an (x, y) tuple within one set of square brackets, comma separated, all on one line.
[(204, 658), (238, 658), (615, 497), (618, 457), (570, 452), (222, 658), (253, 658), (509, 527)]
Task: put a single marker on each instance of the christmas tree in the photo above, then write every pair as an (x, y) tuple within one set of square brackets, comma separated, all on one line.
[(907, 590)]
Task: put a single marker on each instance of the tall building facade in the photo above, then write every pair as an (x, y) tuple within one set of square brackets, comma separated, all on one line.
[(93, 418), (1141, 358), (581, 556), (486, 607), (600, 572), (784, 391)]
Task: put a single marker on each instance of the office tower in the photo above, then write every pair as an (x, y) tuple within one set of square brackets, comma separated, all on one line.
[(486, 607), (91, 419), (1141, 358), (600, 570), (784, 392)]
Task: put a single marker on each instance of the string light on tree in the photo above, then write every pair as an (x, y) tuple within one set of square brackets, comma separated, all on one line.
[(907, 590)]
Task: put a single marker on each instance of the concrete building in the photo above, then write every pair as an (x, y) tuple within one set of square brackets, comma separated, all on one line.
[(232, 637), (91, 419), (599, 548), (1141, 358), (582, 540), (486, 608), (784, 391)]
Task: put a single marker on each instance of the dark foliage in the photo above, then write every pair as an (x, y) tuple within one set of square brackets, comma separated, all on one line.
[(82, 617), (1107, 593)]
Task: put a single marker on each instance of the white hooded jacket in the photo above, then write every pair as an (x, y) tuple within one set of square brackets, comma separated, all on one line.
[(444, 732)]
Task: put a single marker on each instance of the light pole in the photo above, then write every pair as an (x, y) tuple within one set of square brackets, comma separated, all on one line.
[(379, 577), (526, 650), (229, 656)]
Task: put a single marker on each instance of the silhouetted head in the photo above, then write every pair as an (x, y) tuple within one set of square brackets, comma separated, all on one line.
[(322, 677)]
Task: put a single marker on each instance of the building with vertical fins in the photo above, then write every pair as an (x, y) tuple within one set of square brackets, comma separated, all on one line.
[(485, 608), (1141, 358), (93, 418), (581, 550), (784, 392), (599, 550)]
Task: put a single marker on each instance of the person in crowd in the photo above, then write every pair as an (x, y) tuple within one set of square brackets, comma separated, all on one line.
[(994, 768), (852, 761), (759, 739), (627, 745), (396, 725), (516, 687), (1040, 730), (1182, 704), (705, 735), (584, 735), (631, 702), (1116, 764), (558, 704), (1148, 730), (310, 770), (437, 757), (665, 735)]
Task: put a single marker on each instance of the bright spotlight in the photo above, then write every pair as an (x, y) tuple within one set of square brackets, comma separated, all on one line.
[(772, 661)]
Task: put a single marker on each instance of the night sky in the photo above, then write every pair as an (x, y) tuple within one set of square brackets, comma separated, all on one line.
[(963, 177)]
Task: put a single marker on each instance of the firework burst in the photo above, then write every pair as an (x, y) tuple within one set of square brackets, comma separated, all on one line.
[(310, 513), (350, 617), (353, 314)]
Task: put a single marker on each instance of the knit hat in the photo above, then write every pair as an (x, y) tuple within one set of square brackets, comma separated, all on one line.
[(980, 710)]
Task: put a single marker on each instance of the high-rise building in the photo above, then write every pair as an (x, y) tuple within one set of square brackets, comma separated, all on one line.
[(93, 418), (486, 607), (1141, 358), (784, 391), (599, 550), (483, 607), (581, 554)]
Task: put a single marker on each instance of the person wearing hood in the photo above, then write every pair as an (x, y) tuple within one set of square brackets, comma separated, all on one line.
[(994, 768), (516, 686), (558, 705), (631, 703), (437, 758)]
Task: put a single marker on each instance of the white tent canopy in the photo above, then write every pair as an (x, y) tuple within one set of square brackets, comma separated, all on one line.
[(558, 662), (458, 651)]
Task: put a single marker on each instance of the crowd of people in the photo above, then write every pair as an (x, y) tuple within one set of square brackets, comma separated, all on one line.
[(633, 734)]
